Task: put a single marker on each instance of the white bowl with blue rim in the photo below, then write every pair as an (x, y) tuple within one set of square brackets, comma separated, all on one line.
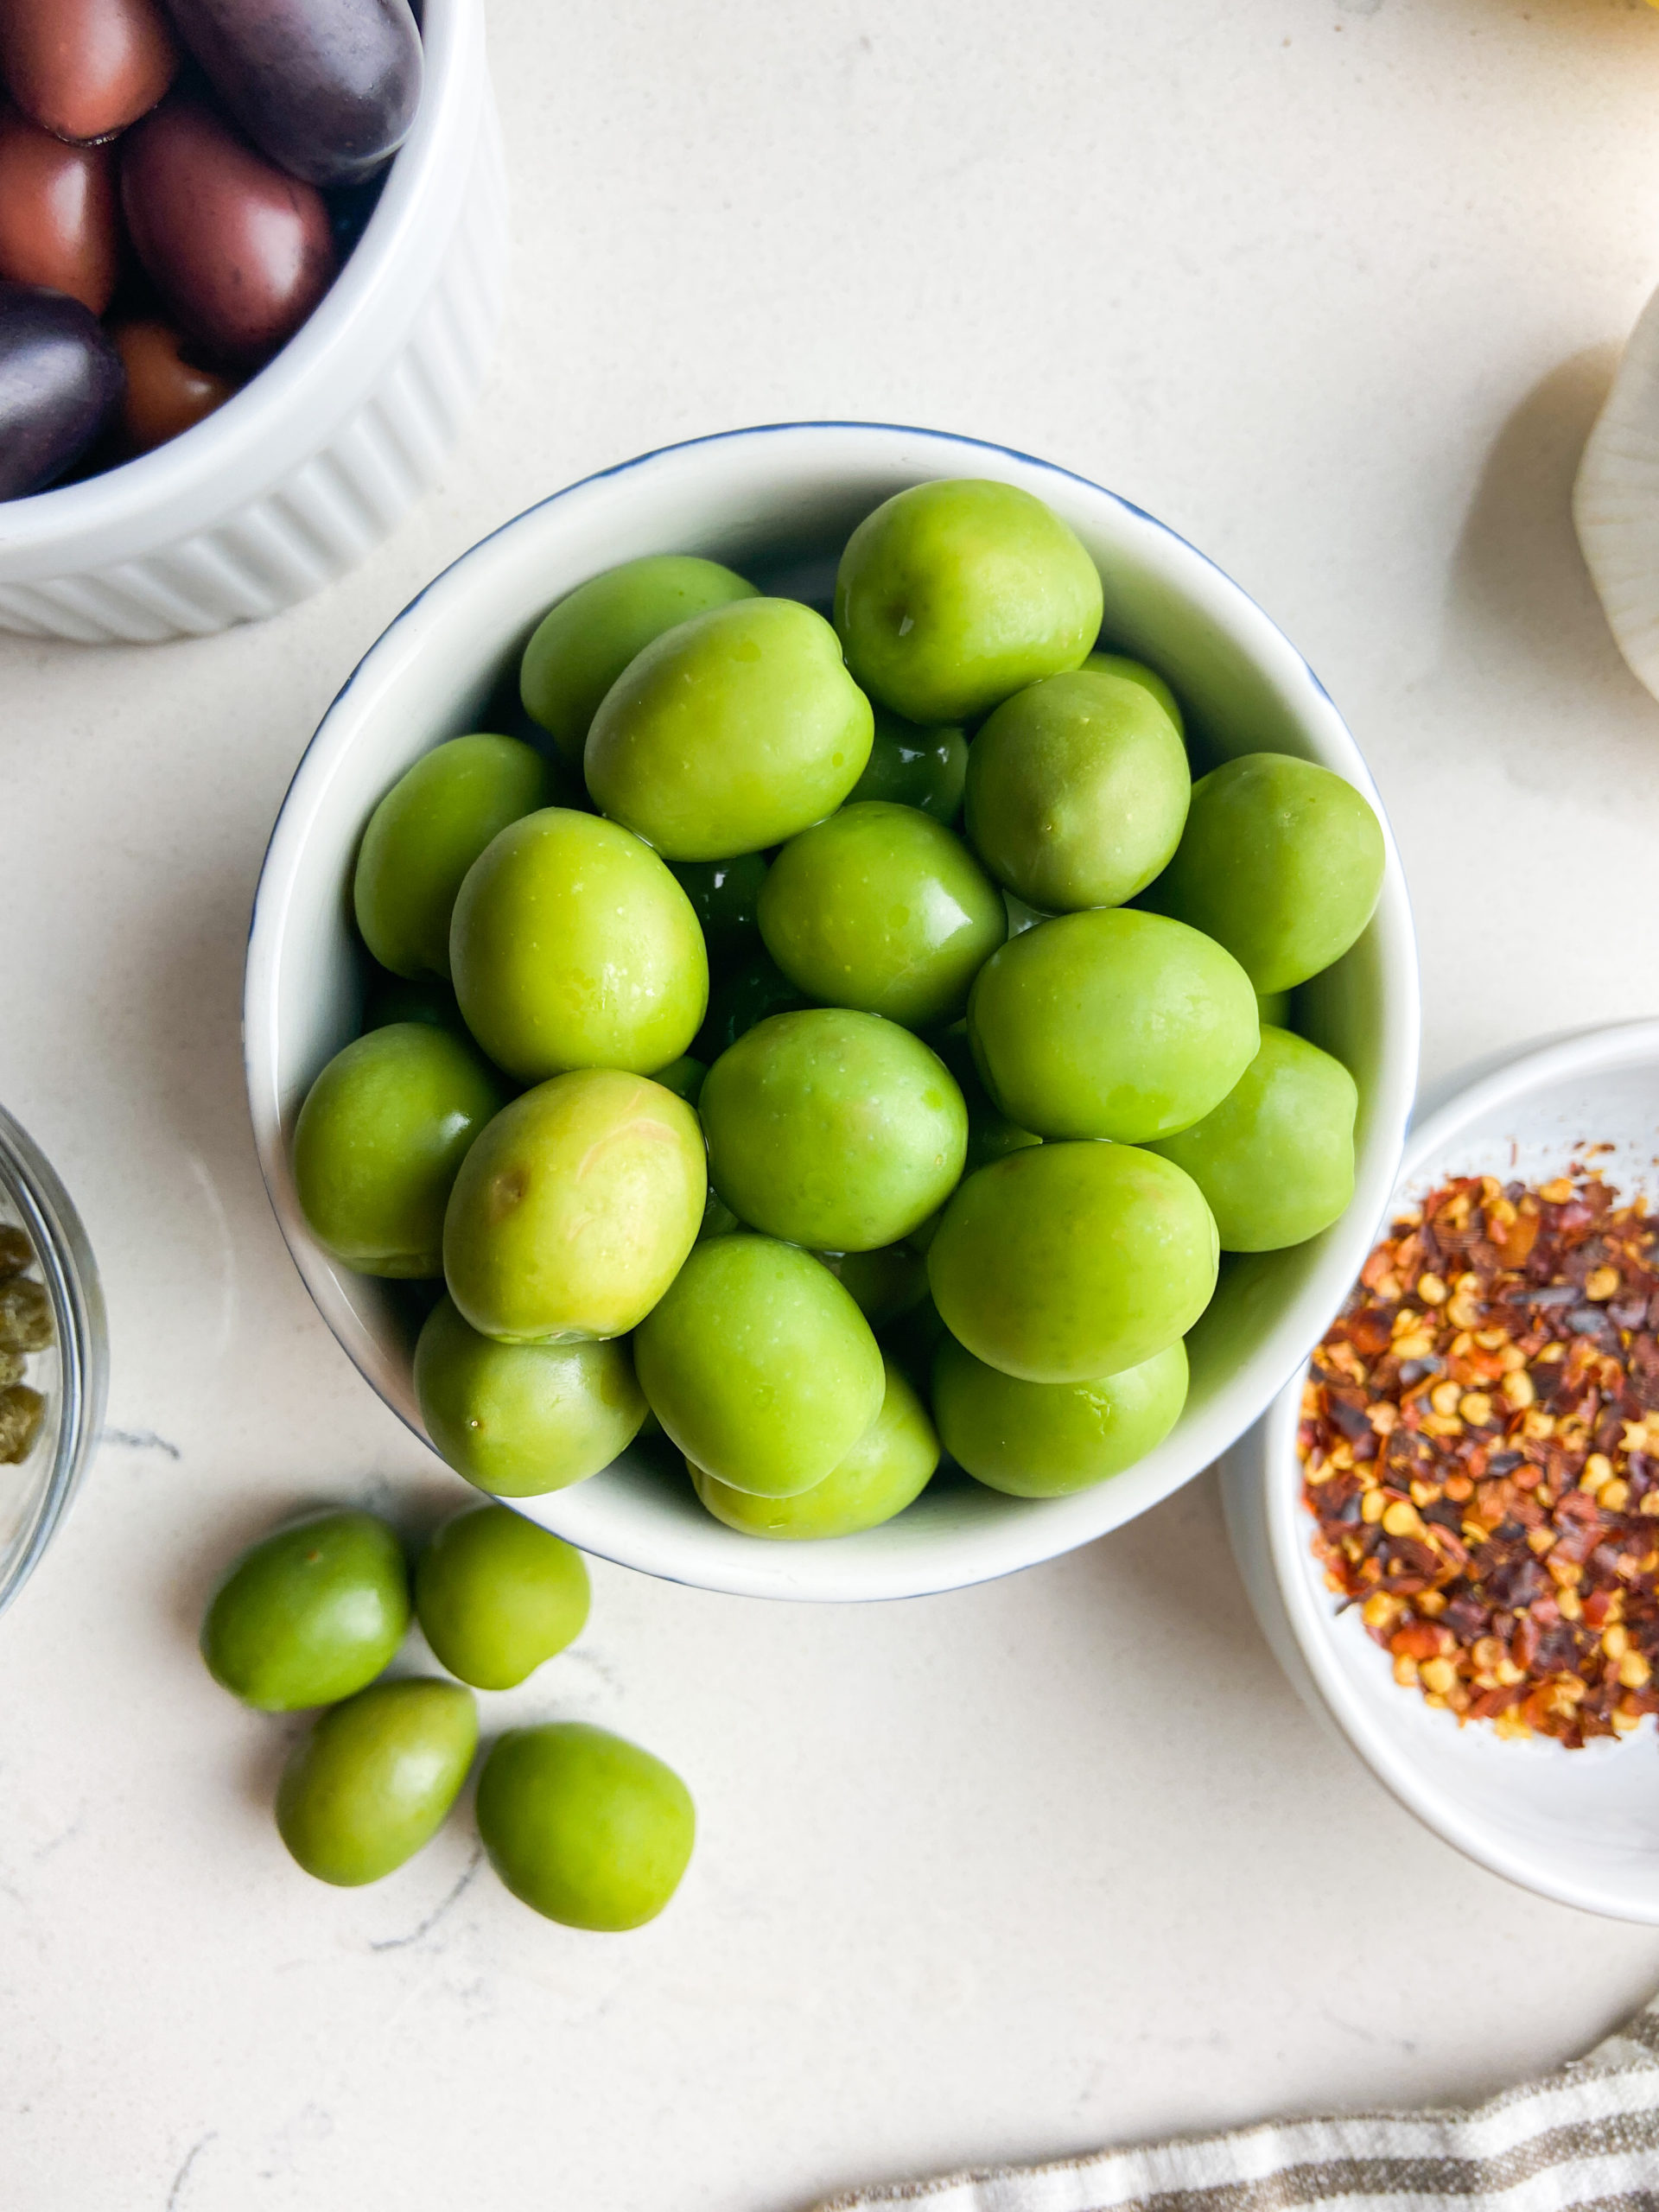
[(1579, 1826), (778, 504)]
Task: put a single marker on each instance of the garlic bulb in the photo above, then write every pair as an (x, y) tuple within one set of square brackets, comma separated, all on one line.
[(1616, 501)]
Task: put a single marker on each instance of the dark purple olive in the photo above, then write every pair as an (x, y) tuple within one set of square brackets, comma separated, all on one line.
[(327, 88), (241, 252), (61, 380)]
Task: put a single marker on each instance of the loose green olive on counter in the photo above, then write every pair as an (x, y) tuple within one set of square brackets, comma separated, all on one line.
[(1136, 671), (758, 1365), (953, 595), (1276, 1159), (1281, 862), (375, 1779), (496, 1596), (833, 1129), (886, 1471), (310, 1614), (379, 1141), (572, 1213), (1049, 1439), (1078, 790), (883, 909), (725, 897), (730, 733), (910, 766), (572, 946), (583, 644), (1070, 1262), (424, 836), (1111, 1024), (519, 1419), (584, 1827)]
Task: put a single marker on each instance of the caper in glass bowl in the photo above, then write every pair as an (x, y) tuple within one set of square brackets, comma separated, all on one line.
[(54, 1356)]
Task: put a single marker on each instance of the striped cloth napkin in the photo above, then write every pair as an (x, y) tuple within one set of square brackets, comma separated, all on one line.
[(1585, 2138)]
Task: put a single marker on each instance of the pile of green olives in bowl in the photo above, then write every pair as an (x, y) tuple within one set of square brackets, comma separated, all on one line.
[(824, 1010)]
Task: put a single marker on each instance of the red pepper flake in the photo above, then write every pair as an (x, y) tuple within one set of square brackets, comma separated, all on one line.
[(1480, 1449)]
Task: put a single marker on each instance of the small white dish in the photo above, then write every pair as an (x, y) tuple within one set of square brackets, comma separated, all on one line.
[(778, 504), (1581, 1827), (305, 470)]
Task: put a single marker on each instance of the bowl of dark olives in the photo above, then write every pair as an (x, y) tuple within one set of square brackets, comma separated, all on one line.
[(830, 1013), (252, 256)]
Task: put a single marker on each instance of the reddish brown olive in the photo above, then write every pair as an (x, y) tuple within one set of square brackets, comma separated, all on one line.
[(84, 69), (166, 392), (241, 252), (58, 221)]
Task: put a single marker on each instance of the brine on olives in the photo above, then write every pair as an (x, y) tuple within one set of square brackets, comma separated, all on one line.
[(952, 596), (1048, 1439), (310, 1614), (883, 909), (425, 832), (1276, 1159), (496, 1596), (519, 1419), (1068, 1262), (833, 1129), (1280, 861), (572, 1214), (379, 1140), (1111, 1024), (1077, 793), (572, 946), (730, 732), (886, 1470), (760, 1366), (584, 643), (375, 1779)]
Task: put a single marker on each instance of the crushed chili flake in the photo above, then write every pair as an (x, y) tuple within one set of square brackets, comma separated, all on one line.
[(1480, 1449)]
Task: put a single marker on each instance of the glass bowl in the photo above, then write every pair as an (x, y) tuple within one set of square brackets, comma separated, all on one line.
[(71, 1374)]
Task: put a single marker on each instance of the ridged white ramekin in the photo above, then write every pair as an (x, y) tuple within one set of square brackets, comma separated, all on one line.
[(296, 478)]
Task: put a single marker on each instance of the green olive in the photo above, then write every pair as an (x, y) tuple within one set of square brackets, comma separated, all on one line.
[(572, 946), (725, 897), (731, 732), (1077, 788), (883, 909), (375, 1779), (308, 1614), (886, 1471), (758, 1365), (1111, 1024), (952, 596), (424, 836), (380, 1140), (884, 1283), (915, 767), (744, 995), (1280, 861), (519, 1419), (1136, 671), (584, 1827), (683, 1077), (1068, 1261), (833, 1129), (572, 1213), (1047, 1440), (991, 1134), (583, 644), (1276, 1159), (496, 1596)]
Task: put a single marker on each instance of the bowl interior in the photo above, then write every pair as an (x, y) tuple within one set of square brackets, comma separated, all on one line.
[(778, 505), (1580, 1825)]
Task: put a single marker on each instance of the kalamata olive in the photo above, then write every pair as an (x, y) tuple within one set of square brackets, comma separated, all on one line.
[(327, 88), (166, 392), (84, 69), (58, 221), (61, 380), (241, 252)]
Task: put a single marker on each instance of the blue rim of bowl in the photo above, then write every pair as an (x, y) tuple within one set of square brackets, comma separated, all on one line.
[(959, 438), (70, 1275)]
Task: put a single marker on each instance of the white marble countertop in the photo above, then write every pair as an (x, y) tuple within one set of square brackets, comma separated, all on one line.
[(1335, 288)]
